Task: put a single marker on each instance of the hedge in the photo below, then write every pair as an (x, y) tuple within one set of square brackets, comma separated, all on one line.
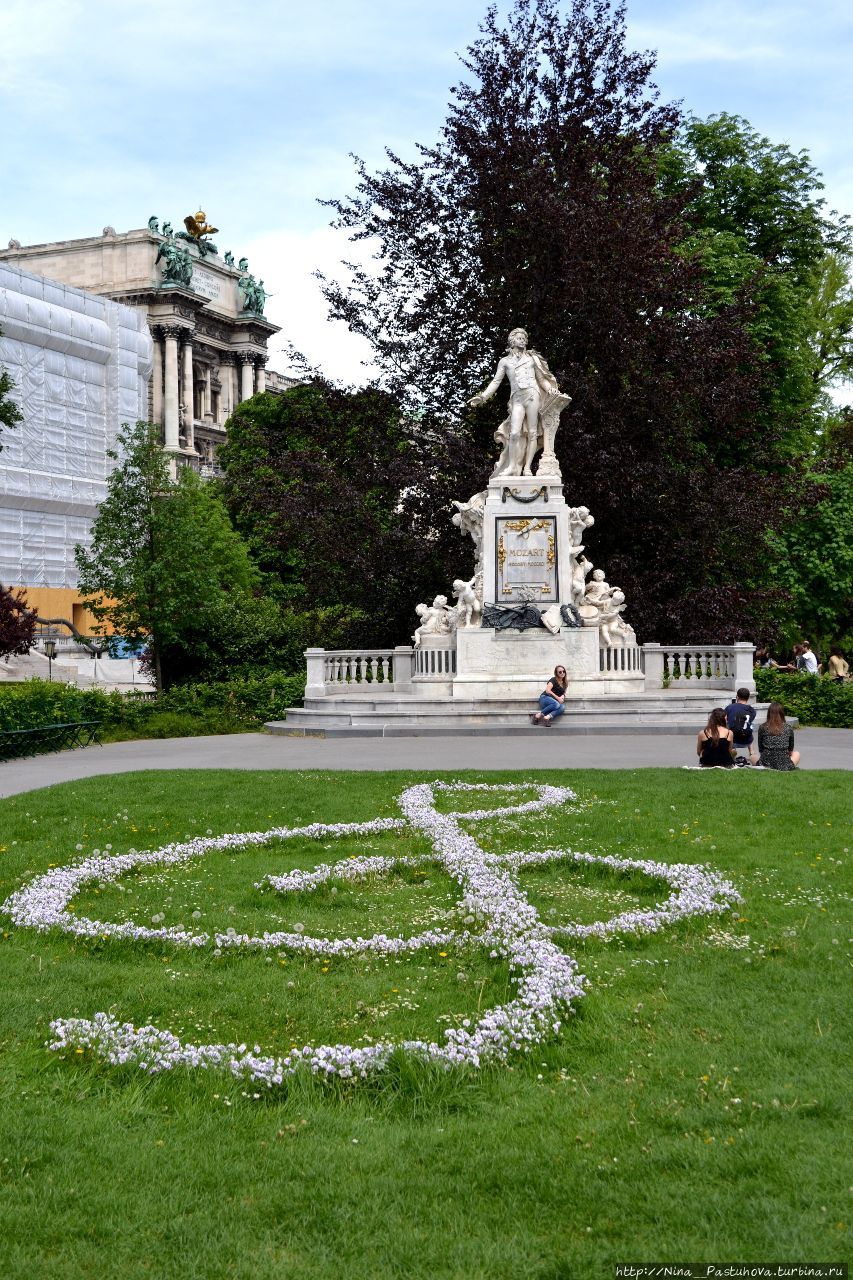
[(814, 700), (248, 702)]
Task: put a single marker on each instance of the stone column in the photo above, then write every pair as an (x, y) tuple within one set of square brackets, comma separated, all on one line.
[(157, 378), (235, 385), (315, 661), (189, 407), (653, 666), (744, 672), (208, 408), (171, 415), (226, 362), (261, 375), (404, 668), (246, 376)]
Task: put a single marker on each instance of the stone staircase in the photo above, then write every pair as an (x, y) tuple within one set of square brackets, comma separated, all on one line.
[(376, 714)]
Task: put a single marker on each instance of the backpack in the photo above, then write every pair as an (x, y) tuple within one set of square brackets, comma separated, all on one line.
[(742, 723)]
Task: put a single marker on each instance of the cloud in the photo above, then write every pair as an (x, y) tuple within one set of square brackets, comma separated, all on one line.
[(286, 260)]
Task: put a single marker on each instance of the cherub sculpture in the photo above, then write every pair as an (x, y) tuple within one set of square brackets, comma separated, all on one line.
[(436, 619), (467, 604), (579, 521)]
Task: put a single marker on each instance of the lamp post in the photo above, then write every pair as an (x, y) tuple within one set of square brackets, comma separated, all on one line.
[(50, 654)]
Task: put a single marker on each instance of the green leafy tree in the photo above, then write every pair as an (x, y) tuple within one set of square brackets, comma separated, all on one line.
[(163, 552), (812, 558), (759, 227), (10, 414), (346, 503)]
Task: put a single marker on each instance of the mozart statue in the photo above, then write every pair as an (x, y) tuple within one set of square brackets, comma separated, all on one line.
[(535, 405)]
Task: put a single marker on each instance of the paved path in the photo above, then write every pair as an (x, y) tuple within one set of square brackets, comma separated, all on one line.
[(821, 748)]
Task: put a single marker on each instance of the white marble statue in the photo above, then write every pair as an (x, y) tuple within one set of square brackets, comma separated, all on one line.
[(612, 625), (468, 518), (468, 607), (579, 521), (436, 619), (581, 569), (598, 592), (535, 405)]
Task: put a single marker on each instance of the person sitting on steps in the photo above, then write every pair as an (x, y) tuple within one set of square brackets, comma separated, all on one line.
[(553, 698), (714, 742)]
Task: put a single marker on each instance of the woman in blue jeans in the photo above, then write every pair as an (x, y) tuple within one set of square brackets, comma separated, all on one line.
[(552, 702)]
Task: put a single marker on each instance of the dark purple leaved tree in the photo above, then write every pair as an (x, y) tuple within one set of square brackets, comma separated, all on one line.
[(541, 205)]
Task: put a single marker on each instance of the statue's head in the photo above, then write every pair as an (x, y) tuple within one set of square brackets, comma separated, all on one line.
[(583, 512), (518, 338), (598, 574), (440, 602)]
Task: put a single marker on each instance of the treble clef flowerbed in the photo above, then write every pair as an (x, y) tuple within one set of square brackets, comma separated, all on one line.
[(493, 910)]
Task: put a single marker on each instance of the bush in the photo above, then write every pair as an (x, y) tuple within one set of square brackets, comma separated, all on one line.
[(813, 700), (187, 709)]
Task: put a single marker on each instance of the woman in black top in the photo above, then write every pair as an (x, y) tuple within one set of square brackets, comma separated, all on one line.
[(714, 743), (776, 741), (552, 701)]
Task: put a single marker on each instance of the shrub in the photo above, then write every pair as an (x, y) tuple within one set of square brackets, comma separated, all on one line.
[(813, 700), (188, 709)]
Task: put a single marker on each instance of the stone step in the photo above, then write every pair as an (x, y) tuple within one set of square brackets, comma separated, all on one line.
[(377, 714), (400, 705), (449, 727)]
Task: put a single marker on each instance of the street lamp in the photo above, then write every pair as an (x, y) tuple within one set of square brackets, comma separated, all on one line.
[(50, 654)]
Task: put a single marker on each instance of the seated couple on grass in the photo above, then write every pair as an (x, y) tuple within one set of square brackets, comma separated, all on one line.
[(552, 700), (730, 728)]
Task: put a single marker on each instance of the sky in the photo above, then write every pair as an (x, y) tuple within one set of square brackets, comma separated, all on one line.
[(252, 111)]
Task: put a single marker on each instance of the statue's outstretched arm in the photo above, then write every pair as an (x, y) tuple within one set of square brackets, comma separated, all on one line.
[(482, 396)]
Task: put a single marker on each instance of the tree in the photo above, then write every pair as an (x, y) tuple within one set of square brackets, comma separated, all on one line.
[(17, 622), (10, 414), (162, 553), (760, 230), (542, 205), (812, 555), (345, 502)]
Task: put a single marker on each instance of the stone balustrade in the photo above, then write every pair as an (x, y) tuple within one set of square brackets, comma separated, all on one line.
[(333, 671), (435, 658), (699, 666), (337, 670), (617, 662)]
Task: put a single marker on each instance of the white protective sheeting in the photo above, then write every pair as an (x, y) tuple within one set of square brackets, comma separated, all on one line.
[(80, 366)]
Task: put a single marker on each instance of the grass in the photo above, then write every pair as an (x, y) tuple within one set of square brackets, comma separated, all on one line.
[(692, 1110)]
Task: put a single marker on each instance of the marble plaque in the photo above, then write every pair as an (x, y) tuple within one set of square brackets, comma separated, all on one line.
[(526, 559), (206, 283)]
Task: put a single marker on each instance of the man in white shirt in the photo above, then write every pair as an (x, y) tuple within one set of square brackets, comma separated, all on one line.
[(807, 660)]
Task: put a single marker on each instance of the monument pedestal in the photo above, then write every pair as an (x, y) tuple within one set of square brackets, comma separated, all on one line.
[(526, 541), (528, 560)]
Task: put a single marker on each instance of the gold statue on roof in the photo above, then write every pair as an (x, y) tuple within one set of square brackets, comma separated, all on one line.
[(198, 226)]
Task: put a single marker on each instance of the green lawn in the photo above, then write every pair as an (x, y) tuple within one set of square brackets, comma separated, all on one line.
[(692, 1110)]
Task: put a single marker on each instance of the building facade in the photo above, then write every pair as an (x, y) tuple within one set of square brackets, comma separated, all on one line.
[(81, 366), (203, 311)]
